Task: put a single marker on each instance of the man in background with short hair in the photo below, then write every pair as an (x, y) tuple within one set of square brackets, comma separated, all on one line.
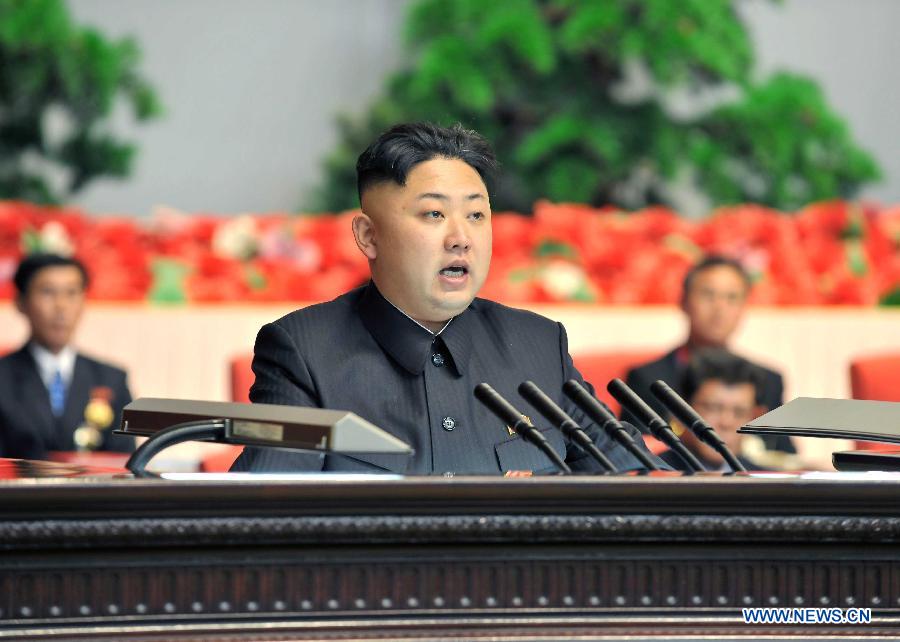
[(724, 389), (53, 398), (714, 299)]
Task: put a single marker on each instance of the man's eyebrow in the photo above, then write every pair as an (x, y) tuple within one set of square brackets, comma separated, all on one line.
[(444, 197)]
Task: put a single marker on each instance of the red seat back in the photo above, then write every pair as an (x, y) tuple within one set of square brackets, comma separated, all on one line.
[(220, 458), (876, 378), (241, 377)]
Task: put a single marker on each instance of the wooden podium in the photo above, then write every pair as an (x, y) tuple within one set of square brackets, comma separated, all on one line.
[(284, 558)]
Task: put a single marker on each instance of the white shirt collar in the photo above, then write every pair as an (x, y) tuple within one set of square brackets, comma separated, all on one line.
[(428, 330), (48, 363)]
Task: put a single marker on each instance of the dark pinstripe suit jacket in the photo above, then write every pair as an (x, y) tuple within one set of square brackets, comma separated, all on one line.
[(360, 353)]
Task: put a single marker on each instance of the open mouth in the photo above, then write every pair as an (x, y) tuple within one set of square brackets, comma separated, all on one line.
[(454, 271)]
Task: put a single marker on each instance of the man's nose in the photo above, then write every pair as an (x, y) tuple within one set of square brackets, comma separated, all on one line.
[(457, 238), (62, 301)]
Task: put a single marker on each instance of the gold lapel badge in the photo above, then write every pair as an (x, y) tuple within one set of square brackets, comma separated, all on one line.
[(513, 432), (98, 416)]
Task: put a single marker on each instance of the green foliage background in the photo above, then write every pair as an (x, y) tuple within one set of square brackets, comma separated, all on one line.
[(541, 80), (48, 64)]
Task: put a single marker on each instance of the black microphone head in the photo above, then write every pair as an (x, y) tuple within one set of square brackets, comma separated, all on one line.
[(584, 400), (572, 387), (544, 404), (529, 388), (660, 387), (534, 395), (637, 406), (617, 387), (498, 405), (672, 401), (483, 391), (682, 410)]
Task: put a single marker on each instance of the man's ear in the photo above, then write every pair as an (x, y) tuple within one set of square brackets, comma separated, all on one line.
[(364, 234), (20, 303)]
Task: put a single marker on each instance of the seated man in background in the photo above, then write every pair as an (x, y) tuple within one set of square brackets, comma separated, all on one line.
[(714, 299), (53, 398), (724, 389), (406, 350)]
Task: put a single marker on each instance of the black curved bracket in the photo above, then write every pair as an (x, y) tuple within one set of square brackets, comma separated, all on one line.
[(205, 430)]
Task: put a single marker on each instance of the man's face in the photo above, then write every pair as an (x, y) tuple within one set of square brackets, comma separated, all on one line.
[(714, 305), (428, 242), (726, 408), (53, 305)]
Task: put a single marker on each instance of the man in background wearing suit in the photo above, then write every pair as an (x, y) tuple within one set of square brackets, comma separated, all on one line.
[(406, 350), (53, 398), (714, 299), (724, 389)]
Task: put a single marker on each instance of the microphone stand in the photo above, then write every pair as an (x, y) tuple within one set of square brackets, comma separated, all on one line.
[(517, 422), (694, 422), (606, 420), (660, 429), (558, 417)]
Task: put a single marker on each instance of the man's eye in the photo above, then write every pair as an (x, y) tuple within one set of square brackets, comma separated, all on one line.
[(477, 215), (433, 214)]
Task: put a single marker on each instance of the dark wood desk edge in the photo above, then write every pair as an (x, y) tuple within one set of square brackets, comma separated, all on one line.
[(109, 498), (81, 513)]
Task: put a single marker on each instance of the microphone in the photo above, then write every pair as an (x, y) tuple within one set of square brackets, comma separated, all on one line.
[(516, 420), (558, 417), (694, 422), (645, 414), (606, 420)]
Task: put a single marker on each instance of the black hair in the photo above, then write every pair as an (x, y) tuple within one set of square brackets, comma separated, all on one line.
[(713, 261), (34, 263), (402, 147), (721, 365)]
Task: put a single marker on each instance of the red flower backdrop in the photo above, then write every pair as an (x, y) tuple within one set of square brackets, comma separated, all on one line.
[(828, 253)]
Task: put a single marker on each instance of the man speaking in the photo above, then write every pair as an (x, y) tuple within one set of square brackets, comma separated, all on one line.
[(406, 350)]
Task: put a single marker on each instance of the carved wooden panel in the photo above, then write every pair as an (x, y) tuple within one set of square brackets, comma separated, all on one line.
[(440, 560), (428, 580)]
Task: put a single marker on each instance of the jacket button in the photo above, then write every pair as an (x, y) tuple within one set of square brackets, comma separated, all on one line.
[(449, 423), (437, 359)]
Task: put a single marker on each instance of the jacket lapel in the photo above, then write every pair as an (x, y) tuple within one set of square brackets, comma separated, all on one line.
[(34, 398), (76, 396)]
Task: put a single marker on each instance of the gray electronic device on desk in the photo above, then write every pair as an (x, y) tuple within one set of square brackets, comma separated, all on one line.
[(171, 421), (855, 419)]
